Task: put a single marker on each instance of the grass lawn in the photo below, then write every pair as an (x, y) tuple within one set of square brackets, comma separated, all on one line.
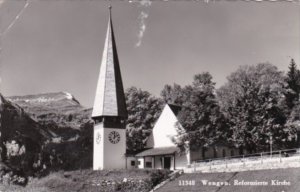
[(291, 174), (93, 181)]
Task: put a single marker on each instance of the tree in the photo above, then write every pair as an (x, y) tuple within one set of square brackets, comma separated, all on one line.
[(293, 83), (143, 111), (253, 102), (293, 124), (201, 123), (173, 94)]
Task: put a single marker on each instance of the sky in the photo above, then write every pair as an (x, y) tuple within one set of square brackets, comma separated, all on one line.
[(52, 46)]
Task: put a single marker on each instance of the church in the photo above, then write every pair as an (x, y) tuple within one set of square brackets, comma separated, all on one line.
[(162, 153), (110, 113)]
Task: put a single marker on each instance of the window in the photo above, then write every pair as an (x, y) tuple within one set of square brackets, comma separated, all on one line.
[(203, 153), (139, 162), (148, 164), (215, 153), (241, 151), (224, 153), (132, 163), (232, 153)]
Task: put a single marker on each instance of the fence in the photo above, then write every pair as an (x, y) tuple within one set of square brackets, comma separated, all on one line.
[(263, 159)]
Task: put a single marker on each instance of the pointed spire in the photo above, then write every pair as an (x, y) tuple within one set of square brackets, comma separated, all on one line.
[(110, 98)]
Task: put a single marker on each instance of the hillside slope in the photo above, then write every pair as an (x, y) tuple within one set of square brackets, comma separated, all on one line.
[(21, 140), (43, 133), (94, 181), (67, 121), (291, 175)]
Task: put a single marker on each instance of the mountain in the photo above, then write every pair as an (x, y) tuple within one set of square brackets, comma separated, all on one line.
[(61, 103), (60, 113)]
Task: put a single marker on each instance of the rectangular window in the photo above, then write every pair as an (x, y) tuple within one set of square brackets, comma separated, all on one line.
[(139, 162), (132, 163), (148, 164), (215, 153), (232, 152), (224, 153)]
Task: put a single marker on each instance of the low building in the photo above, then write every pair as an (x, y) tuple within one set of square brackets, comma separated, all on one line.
[(162, 153)]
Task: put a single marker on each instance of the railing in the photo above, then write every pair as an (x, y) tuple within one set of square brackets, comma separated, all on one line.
[(244, 160)]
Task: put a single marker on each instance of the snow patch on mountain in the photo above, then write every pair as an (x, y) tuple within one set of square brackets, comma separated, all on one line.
[(39, 100), (44, 98), (68, 95)]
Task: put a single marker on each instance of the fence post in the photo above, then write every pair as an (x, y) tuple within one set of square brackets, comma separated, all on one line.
[(244, 160), (280, 156), (226, 162), (194, 166), (261, 156), (210, 164)]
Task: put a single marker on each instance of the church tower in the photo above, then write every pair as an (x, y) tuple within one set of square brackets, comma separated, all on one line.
[(109, 112)]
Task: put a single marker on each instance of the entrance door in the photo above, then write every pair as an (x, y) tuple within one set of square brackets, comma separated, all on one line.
[(167, 162)]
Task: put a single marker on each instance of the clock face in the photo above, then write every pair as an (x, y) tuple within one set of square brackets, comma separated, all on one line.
[(98, 138), (114, 137)]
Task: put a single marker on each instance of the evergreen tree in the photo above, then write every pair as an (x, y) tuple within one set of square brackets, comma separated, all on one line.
[(293, 82)]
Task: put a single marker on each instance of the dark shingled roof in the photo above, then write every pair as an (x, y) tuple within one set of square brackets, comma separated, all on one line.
[(175, 108), (158, 151), (110, 98)]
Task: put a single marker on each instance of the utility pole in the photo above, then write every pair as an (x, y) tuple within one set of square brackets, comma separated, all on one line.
[(271, 142)]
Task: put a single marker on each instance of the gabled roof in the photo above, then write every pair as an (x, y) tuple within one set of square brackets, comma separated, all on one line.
[(175, 108), (158, 151), (110, 98)]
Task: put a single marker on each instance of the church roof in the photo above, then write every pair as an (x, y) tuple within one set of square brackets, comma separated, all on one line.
[(175, 108), (110, 98), (158, 151)]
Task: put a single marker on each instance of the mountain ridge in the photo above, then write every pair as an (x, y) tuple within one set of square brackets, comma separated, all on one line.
[(61, 107)]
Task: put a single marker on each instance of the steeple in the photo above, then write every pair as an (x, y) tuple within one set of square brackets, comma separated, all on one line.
[(110, 98)]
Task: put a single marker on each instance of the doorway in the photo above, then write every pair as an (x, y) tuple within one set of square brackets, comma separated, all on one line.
[(167, 162)]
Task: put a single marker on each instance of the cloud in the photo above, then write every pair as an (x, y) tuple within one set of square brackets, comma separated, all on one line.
[(142, 27), (143, 4)]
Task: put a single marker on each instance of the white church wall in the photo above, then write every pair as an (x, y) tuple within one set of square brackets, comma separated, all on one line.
[(98, 147), (131, 163), (181, 161), (164, 129), (108, 155), (114, 157), (140, 162)]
